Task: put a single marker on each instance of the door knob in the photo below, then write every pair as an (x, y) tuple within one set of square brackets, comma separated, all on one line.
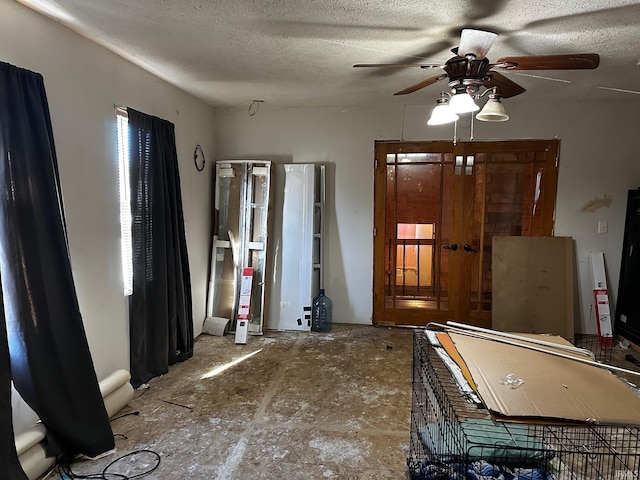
[(453, 246), (469, 248)]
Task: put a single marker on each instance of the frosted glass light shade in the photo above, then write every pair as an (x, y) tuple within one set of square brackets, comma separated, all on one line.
[(475, 42), (441, 115), (463, 103), (493, 111)]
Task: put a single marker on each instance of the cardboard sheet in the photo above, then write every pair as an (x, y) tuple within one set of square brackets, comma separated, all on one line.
[(452, 351), (532, 285), (450, 348), (554, 388)]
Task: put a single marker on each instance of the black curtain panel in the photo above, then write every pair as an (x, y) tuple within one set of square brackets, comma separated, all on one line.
[(9, 463), (160, 317), (51, 364)]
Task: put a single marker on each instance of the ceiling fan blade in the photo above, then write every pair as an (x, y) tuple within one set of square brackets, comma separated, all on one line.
[(475, 42), (482, 9), (396, 65), (505, 86), (605, 18), (622, 90), (415, 57), (576, 61), (422, 84)]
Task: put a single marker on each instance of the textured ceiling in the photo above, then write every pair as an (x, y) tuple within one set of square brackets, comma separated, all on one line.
[(301, 52)]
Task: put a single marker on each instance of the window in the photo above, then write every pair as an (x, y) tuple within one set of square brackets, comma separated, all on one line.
[(122, 127), (415, 254)]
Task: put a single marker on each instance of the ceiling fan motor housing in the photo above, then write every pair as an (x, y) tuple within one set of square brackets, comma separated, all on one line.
[(466, 73)]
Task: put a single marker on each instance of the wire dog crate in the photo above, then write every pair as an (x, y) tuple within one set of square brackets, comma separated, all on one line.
[(454, 439), (602, 353)]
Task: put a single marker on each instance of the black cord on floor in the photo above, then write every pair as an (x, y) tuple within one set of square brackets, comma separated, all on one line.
[(177, 404), (106, 475), (124, 415)]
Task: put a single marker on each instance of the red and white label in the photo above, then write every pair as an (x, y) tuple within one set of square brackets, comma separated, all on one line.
[(245, 293), (603, 316)]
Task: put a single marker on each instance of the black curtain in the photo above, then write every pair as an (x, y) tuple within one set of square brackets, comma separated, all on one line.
[(51, 364), (160, 317), (8, 456)]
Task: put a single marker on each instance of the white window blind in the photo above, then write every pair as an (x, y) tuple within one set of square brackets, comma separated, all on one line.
[(125, 199)]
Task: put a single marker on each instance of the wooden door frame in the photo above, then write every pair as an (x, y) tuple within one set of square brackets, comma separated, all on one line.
[(384, 147)]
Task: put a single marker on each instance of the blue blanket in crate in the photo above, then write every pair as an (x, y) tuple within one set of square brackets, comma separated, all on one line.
[(480, 470), (475, 439)]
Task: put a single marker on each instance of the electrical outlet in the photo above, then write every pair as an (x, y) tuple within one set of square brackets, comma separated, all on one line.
[(602, 226)]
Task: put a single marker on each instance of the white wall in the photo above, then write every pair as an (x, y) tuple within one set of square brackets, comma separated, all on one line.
[(342, 139), (83, 82), (600, 155)]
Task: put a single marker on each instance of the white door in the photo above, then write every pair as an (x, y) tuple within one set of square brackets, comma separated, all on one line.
[(294, 262)]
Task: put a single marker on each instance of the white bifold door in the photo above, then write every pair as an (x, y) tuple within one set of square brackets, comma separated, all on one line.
[(298, 263)]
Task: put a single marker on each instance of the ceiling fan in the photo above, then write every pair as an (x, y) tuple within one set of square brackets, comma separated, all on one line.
[(469, 68)]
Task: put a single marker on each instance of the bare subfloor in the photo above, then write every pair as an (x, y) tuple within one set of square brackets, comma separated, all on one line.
[(303, 406), (286, 406)]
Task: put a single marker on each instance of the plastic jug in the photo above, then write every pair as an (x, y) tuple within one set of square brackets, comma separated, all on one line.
[(321, 313)]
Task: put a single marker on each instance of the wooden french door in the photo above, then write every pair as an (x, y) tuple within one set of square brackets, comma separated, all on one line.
[(437, 206)]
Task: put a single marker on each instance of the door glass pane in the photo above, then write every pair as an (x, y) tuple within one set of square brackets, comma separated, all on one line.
[(508, 192), (414, 259), (445, 234), (389, 241), (535, 207), (257, 239), (229, 191), (418, 157), (415, 264)]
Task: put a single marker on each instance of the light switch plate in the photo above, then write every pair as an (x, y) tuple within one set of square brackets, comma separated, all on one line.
[(602, 226)]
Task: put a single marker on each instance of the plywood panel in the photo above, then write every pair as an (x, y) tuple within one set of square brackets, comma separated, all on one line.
[(532, 282)]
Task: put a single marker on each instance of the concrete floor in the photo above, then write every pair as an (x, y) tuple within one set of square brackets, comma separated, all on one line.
[(303, 406)]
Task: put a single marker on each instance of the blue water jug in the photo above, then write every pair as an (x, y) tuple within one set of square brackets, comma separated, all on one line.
[(321, 313)]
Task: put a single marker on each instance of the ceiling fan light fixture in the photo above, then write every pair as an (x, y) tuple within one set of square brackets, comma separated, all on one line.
[(463, 103), (442, 113), (476, 42), (493, 111)]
